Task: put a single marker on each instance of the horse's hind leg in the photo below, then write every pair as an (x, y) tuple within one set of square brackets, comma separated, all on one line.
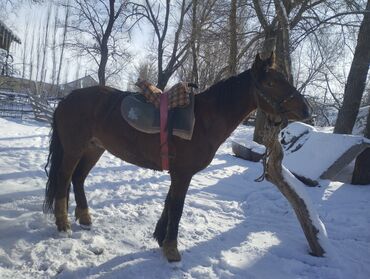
[(86, 163), (64, 175)]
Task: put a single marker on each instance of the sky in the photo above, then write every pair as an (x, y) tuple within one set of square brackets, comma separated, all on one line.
[(33, 15)]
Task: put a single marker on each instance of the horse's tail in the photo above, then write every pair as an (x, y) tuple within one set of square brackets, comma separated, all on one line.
[(54, 162)]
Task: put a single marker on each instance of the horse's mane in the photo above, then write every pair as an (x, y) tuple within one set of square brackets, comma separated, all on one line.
[(220, 92)]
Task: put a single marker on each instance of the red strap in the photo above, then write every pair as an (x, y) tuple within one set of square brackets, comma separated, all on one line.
[(164, 131)]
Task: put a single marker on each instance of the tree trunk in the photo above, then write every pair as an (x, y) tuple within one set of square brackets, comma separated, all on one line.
[(361, 172), (277, 174), (233, 51), (179, 52), (163, 79), (102, 64), (261, 123), (54, 48), (38, 54), (31, 54), (356, 79), (283, 40), (194, 42), (25, 47), (104, 44), (65, 30), (44, 53)]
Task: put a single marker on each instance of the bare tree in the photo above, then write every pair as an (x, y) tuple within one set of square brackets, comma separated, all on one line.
[(63, 44), (171, 52), (287, 24), (45, 43), (38, 52), (97, 33), (31, 53), (145, 70), (356, 78), (54, 46), (194, 43), (224, 40), (24, 55), (233, 49)]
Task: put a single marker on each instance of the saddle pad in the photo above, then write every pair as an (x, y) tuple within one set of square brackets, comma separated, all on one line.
[(178, 95), (145, 117)]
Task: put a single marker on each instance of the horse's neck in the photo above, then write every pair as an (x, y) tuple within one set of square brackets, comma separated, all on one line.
[(241, 99), (228, 103)]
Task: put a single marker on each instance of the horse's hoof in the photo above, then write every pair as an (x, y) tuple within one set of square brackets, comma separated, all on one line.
[(62, 223), (84, 218), (170, 251), (63, 227)]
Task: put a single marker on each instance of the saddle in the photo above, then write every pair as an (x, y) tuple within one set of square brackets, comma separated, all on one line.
[(142, 112)]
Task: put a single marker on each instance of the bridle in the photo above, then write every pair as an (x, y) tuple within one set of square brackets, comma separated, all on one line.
[(277, 105)]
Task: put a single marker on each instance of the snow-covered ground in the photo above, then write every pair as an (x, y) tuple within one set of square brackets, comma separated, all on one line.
[(232, 227)]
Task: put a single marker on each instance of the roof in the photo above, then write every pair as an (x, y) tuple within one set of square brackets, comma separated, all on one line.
[(7, 36)]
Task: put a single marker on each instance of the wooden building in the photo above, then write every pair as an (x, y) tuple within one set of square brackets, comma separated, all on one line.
[(44, 89), (7, 37)]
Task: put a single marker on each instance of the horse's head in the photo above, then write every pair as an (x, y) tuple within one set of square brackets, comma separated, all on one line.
[(274, 94)]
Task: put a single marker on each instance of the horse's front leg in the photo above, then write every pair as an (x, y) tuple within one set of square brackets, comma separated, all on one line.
[(174, 206), (161, 227)]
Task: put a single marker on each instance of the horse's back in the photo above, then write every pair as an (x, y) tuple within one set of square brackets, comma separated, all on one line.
[(78, 114)]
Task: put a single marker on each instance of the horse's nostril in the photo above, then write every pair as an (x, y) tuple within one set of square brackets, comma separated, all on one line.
[(307, 110)]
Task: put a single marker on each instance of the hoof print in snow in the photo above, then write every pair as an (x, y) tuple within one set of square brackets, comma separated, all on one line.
[(64, 234), (60, 269), (85, 227), (96, 250)]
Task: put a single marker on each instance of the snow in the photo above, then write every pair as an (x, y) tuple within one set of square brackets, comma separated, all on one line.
[(243, 136), (232, 227), (314, 151)]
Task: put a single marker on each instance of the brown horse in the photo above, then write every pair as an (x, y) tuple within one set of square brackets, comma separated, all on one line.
[(88, 122)]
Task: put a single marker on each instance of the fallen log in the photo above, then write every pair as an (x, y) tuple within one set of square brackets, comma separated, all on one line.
[(245, 152)]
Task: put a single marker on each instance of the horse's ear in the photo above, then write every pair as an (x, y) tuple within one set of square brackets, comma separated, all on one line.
[(271, 60), (258, 65)]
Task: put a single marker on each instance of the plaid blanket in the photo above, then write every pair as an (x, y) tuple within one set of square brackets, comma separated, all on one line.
[(178, 95)]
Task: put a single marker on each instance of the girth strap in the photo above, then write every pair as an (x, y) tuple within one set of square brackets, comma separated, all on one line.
[(164, 131)]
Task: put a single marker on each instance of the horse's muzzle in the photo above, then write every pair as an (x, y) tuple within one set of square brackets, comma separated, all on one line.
[(302, 112), (307, 109)]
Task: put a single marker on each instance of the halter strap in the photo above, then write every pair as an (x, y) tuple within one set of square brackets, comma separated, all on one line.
[(276, 105)]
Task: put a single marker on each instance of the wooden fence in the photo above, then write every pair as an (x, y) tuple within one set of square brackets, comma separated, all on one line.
[(26, 105)]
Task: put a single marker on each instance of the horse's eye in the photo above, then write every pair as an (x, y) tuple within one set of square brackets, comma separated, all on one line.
[(270, 84)]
